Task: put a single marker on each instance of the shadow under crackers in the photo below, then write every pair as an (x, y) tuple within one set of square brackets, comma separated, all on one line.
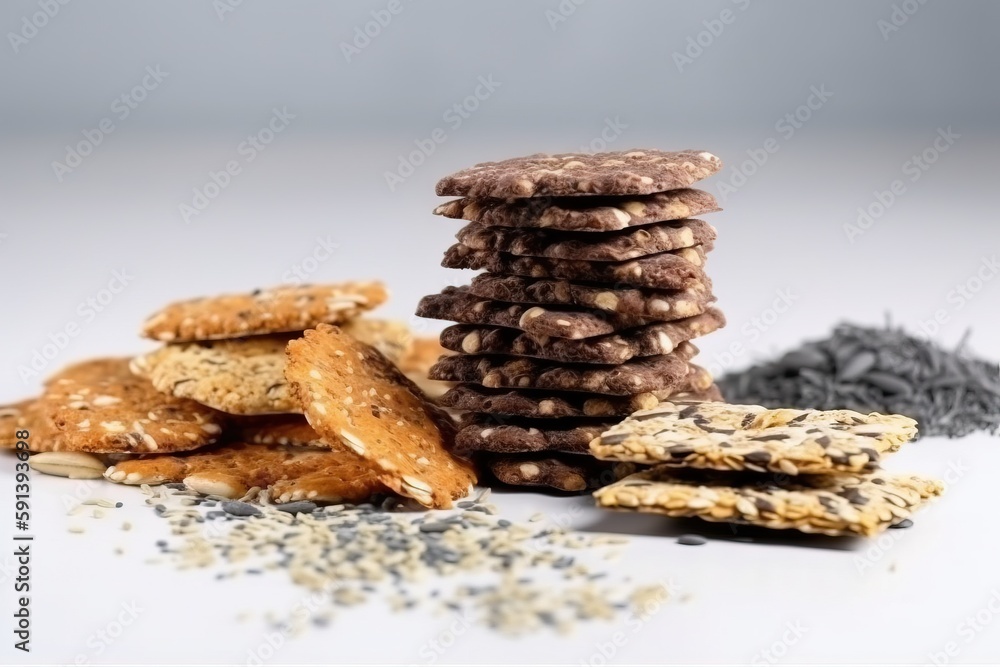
[(651, 525)]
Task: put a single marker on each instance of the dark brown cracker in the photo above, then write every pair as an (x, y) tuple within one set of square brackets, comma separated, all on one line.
[(288, 472), (634, 172), (565, 472), (487, 433), (99, 406), (352, 394), (678, 269), (277, 310), (660, 373), (648, 304), (582, 214), (456, 304), (649, 340), (631, 243), (697, 386)]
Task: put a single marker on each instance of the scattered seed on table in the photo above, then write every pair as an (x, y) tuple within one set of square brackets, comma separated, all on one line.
[(905, 523), (356, 553), (692, 540), (240, 508), (301, 506)]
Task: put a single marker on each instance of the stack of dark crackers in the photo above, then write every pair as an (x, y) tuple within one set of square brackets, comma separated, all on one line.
[(594, 286)]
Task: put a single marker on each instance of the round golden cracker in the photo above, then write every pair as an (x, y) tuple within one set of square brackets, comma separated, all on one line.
[(246, 376), (278, 430), (241, 376), (25, 416), (416, 364), (290, 472), (100, 406), (351, 393), (393, 339), (277, 310), (14, 418)]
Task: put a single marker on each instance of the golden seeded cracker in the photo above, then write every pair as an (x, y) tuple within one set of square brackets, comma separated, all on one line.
[(14, 418), (99, 406), (750, 437), (277, 430), (25, 416), (351, 393), (289, 472), (416, 364), (277, 310), (828, 504), (246, 376), (393, 339), (242, 376)]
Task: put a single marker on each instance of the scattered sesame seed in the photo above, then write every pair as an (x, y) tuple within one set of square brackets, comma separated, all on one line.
[(354, 553)]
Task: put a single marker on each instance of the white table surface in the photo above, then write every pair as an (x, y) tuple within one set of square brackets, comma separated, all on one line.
[(783, 231)]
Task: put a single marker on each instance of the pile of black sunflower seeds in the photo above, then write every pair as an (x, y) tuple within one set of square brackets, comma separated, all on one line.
[(871, 369)]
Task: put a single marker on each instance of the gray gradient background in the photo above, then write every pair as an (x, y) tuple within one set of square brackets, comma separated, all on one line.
[(323, 177)]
